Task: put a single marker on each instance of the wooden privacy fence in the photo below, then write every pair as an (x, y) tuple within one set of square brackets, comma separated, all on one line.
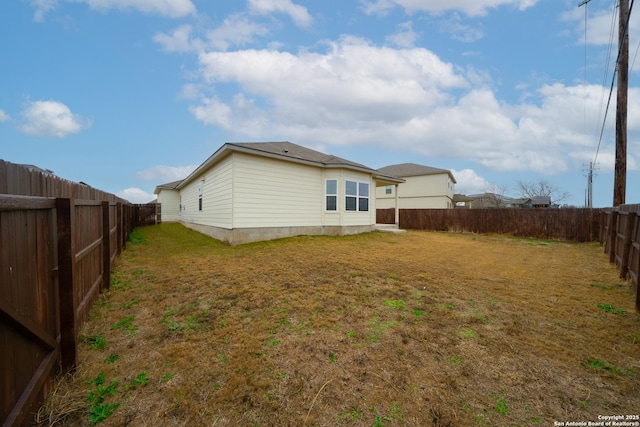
[(56, 258), (58, 243), (580, 225), (621, 238)]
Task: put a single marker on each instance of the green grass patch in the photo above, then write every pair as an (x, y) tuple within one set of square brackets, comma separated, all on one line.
[(112, 358), (601, 365), (126, 325), (140, 380), (611, 309), (468, 333), (395, 303), (137, 239), (101, 410), (96, 341), (501, 406)]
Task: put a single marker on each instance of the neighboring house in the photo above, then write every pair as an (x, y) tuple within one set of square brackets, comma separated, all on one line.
[(169, 200), (424, 188), (541, 202), (249, 192), (492, 200)]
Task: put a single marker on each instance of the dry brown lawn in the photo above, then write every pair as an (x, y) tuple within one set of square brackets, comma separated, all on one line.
[(417, 329)]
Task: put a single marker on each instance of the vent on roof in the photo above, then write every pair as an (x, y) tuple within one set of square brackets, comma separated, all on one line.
[(285, 151)]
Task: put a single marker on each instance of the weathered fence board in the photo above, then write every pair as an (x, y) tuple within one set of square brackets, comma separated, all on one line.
[(28, 322)]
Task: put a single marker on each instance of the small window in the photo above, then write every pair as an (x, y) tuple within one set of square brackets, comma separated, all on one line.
[(331, 194), (388, 190), (200, 189)]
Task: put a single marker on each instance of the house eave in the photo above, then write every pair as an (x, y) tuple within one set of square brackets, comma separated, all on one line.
[(230, 147), (384, 180)]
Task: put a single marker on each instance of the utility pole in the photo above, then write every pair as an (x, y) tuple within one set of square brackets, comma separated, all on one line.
[(589, 195), (620, 173), (590, 186)]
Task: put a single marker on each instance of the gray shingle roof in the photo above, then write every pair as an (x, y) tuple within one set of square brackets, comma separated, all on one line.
[(296, 152), (541, 200), (404, 170), (288, 151), (168, 186)]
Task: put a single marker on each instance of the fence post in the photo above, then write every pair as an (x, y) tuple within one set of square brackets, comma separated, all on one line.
[(119, 226), (66, 267), (613, 235), (624, 261), (106, 246)]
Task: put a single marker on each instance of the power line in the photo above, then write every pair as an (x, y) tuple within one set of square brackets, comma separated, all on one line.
[(613, 78), (605, 78)]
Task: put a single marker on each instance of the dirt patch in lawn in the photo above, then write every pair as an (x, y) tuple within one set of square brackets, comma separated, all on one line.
[(417, 329)]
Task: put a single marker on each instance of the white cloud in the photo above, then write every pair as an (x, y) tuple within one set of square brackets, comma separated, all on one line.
[(41, 8), (4, 116), (51, 118), (179, 40), (460, 31), (602, 25), (469, 182), (170, 8), (236, 30), (405, 36), (163, 174), (299, 14), (356, 93), (136, 195), (468, 7)]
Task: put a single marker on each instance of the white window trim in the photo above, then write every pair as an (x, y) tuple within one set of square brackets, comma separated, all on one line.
[(337, 209)]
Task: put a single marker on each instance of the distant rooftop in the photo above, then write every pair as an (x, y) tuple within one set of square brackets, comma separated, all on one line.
[(405, 170)]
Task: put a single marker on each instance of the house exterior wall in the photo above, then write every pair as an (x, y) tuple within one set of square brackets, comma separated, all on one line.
[(275, 193), (217, 197), (419, 192), (250, 198), (170, 205)]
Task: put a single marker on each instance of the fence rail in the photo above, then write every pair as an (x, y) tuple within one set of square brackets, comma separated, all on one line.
[(58, 242)]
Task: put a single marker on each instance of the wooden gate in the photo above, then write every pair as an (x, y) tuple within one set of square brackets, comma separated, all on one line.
[(147, 214)]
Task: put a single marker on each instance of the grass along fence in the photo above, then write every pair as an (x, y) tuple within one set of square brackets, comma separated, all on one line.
[(56, 256), (617, 229), (328, 330)]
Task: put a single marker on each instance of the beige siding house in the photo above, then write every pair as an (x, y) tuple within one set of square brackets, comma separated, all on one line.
[(169, 199), (249, 192), (424, 188)]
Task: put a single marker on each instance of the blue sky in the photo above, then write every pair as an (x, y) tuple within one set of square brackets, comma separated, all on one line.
[(128, 94)]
